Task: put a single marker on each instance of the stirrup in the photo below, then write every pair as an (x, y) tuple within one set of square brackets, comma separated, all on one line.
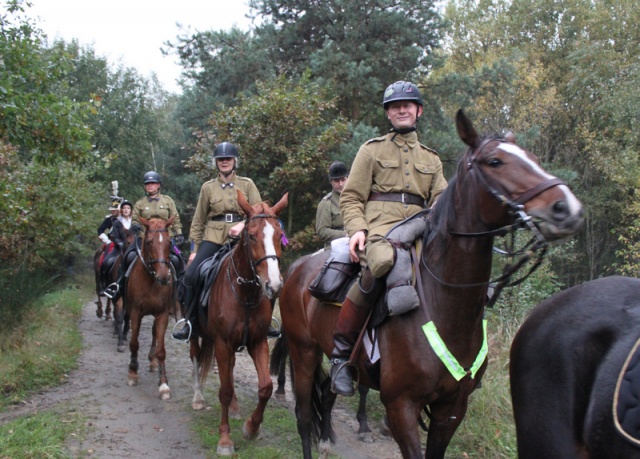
[(111, 290), (340, 370), (187, 324), (274, 332)]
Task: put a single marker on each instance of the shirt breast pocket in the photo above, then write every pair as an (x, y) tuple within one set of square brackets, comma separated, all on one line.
[(387, 174), (216, 205), (424, 174)]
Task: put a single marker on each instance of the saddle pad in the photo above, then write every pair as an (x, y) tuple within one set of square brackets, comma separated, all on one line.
[(207, 273), (626, 399)]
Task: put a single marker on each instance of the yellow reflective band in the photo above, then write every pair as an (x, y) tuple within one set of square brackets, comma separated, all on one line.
[(448, 359)]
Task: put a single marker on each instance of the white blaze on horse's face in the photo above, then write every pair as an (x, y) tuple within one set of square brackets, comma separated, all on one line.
[(275, 280), (160, 238), (572, 201)]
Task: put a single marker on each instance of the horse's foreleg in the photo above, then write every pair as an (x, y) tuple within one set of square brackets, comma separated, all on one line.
[(403, 422), (260, 356), (107, 313), (441, 433), (118, 325), (134, 346), (153, 355), (364, 432), (226, 362), (160, 326), (99, 311), (198, 402)]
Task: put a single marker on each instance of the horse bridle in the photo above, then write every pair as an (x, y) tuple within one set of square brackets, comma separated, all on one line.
[(147, 263), (521, 220), (252, 263), (516, 207)]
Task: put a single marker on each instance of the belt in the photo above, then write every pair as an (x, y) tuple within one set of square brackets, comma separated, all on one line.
[(227, 218), (406, 198)]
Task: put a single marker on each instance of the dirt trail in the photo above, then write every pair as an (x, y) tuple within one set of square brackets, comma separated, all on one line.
[(132, 422)]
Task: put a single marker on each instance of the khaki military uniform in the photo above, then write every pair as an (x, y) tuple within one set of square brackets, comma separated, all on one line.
[(161, 206), (329, 224), (218, 198), (394, 163)]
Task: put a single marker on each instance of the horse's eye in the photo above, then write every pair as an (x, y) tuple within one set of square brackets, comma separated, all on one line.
[(495, 162)]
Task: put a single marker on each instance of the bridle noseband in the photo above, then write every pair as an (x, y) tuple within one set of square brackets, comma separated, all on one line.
[(148, 263)]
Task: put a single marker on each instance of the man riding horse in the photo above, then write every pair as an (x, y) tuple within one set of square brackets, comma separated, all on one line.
[(392, 178)]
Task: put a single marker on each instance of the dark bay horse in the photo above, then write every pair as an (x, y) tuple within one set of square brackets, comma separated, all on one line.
[(239, 315), (498, 187), (565, 363), (101, 310), (150, 290)]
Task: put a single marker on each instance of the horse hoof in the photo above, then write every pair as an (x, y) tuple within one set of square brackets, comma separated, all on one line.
[(225, 450), (153, 368), (324, 448), (247, 433), (198, 406), (365, 437), (282, 397), (165, 392), (121, 348), (132, 381)]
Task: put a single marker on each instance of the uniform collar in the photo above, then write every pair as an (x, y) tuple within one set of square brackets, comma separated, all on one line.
[(400, 140), (230, 183)]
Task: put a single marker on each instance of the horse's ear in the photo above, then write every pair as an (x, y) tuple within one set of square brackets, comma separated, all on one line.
[(510, 137), (284, 201), (466, 131), (244, 204)]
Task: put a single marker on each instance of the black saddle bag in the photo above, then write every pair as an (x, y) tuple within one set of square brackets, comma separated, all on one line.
[(334, 280)]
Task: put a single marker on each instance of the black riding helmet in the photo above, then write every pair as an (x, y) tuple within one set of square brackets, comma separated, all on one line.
[(337, 170), (226, 150), (126, 203), (152, 177), (402, 90)]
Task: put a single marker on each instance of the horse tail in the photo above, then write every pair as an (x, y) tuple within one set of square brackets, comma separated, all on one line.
[(319, 393), (205, 358), (279, 355)]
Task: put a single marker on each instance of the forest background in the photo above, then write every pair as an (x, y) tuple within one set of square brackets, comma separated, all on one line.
[(303, 88)]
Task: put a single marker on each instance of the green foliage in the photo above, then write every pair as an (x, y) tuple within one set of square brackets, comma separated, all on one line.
[(46, 213), (285, 135), (33, 115)]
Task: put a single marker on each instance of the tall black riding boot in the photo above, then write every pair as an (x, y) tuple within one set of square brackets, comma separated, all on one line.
[(351, 320), (190, 321)]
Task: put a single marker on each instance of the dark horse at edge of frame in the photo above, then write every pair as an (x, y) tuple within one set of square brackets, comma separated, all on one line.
[(498, 188), (566, 361), (238, 317)]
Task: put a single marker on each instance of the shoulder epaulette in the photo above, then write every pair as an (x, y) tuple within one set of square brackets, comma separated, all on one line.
[(429, 149), (376, 139), (327, 196), (246, 179)]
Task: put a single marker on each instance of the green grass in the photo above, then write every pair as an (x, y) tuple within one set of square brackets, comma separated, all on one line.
[(42, 435), (40, 351), (278, 438)]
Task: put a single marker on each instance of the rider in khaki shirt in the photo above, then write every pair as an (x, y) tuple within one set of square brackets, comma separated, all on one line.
[(217, 217), (329, 224), (392, 178)]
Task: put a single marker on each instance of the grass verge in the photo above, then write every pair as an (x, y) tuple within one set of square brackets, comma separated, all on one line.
[(37, 352)]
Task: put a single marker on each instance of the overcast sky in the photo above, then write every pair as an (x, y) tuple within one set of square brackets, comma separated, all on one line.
[(134, 30)]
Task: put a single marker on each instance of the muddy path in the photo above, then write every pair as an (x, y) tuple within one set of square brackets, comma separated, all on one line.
[(132, 422)]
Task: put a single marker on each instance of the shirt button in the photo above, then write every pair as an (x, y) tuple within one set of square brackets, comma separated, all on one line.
[(406, 149), (407, 186), (406, 161), (406, 173)]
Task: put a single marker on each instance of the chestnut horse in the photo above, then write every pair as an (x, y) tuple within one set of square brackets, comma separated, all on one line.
[(499, 187), (566, 373), (239, 314), (150, 290)]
